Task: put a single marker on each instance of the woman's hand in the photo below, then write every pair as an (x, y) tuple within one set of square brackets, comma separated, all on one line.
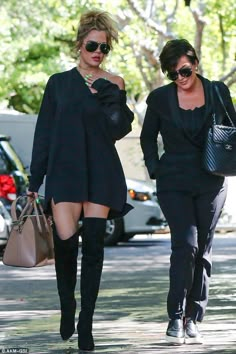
[(32, 196), (90, 79)]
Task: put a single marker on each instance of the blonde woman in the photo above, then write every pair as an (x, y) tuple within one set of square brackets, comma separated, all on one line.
[(83, 113)]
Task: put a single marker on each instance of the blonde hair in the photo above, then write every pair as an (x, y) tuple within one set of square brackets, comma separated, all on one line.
[(96, 20)]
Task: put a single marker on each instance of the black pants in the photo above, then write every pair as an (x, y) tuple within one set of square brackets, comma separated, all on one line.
[(192, 219)]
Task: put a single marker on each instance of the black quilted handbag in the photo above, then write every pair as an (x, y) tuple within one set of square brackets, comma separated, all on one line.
[(219, 154)]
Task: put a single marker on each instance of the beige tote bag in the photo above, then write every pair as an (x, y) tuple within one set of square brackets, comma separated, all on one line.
[(30, 242)]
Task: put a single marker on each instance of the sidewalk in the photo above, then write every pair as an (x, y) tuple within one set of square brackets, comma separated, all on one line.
[(131, 309)]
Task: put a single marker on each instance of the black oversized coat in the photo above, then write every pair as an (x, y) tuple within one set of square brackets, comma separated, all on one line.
[(180, 167), (74, 143)]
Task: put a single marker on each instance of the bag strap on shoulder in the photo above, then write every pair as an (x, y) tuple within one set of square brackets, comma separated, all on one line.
[(213, 102), (216, 88)]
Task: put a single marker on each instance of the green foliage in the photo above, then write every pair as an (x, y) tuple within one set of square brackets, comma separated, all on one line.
[(37, 40)]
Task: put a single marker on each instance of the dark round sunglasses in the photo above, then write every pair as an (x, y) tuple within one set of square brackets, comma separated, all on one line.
[(184, 72), (91, 46)]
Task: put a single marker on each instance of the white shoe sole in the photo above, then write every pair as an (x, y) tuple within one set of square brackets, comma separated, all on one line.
[(194, 340), (175, 340)]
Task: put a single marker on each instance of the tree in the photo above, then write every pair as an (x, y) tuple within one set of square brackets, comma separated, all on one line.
[(35, 43), (149, 24), (37, 40)]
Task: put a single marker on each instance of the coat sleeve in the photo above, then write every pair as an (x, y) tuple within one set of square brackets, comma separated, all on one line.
[(148, 139), (113, 101), (39, 160)]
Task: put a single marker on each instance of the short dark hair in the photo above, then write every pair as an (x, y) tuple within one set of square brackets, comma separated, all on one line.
[(173, 51)]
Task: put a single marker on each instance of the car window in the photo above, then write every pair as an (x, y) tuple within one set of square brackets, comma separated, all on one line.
[(3, 163), (11, 154)]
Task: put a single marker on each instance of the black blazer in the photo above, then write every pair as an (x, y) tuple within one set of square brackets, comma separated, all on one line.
[(179, 168)]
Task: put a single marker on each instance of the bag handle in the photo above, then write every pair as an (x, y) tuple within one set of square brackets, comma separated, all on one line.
[(27, 209), (222, 103), (38, 207), (31, 206)]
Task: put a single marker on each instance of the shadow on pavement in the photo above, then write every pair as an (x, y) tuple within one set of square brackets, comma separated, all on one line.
[(131, 309)]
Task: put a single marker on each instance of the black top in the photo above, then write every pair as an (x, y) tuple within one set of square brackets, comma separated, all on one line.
[(192, 120), (180, 167), (74, 143)]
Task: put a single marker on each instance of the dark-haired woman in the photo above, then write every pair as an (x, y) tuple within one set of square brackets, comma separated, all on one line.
[(190, 198), (83, 113)]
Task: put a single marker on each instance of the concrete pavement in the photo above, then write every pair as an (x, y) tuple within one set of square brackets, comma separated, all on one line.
[(131, 309)]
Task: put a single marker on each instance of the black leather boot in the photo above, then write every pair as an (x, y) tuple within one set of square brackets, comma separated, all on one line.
[(66, 253), (91, 270)]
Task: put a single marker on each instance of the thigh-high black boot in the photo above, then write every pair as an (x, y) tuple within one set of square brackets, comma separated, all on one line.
[(91, 270), (66, 253)]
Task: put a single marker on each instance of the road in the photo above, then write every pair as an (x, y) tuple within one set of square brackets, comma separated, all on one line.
[(131, 309)]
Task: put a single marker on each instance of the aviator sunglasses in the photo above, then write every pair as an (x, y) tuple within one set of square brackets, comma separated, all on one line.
[(91, 46), (184, 72)]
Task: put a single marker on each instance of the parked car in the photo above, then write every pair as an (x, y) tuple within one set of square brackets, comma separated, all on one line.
[(145, 218), (5, 225), (13, 176)]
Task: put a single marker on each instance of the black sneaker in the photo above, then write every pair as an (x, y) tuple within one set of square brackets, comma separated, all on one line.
[(192, 334), (175, 332)]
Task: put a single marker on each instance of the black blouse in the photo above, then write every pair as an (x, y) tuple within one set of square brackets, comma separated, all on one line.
[(192, 121)]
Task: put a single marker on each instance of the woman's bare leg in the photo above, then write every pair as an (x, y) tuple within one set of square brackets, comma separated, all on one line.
[(95, 210), (66, 216)]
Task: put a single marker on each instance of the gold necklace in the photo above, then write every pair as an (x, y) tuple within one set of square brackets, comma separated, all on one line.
[(84, 70)]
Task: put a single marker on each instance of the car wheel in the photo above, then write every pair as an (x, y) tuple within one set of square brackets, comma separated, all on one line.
[(126, 237), (114, 231)]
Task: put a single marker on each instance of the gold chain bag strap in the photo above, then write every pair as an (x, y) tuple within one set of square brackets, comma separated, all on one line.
[(30, 243)]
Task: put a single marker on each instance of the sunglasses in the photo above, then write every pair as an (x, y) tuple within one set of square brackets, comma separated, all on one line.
[(91, 46), (184, 72)]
